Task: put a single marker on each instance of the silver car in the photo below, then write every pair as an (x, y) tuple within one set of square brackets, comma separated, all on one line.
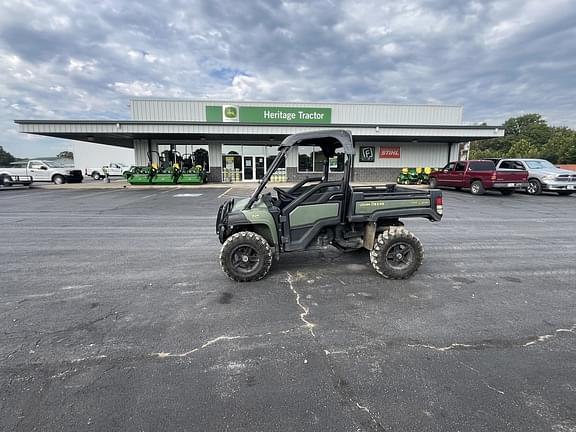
[(543, 176)]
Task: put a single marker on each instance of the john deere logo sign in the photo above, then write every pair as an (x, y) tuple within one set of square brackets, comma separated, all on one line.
[(251, 114), (230, 113)]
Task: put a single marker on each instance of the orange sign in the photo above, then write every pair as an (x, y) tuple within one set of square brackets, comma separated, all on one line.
[(389, 152)]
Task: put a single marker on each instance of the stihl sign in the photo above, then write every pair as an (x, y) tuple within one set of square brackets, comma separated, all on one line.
[(389, 152)]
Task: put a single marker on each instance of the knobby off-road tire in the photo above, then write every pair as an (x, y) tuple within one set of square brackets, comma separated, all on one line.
[(246, 256), (397, 253), (477, 188)]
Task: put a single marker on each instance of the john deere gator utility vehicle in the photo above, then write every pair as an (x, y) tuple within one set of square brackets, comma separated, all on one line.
[(319, 211)]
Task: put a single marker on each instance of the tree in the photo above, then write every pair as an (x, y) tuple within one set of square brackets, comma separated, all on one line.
[(523, 148), (560, 146), (65, 155), (5, 157)]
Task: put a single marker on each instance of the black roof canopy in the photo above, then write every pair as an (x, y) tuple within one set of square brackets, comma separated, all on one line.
[(327, 140)]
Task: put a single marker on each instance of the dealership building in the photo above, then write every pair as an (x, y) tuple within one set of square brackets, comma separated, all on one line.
[(242, 138)]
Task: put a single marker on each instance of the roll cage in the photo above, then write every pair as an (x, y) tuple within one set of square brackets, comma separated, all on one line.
[(328, 141)]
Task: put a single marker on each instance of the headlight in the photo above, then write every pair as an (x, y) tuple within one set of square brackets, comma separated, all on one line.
[(549, 178)]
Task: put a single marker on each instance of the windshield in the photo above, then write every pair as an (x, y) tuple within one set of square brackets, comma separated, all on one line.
[(539, 164), (52, 164)]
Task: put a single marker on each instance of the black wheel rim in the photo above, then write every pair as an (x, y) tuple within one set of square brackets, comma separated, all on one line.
[(245, 259), (400, 255)]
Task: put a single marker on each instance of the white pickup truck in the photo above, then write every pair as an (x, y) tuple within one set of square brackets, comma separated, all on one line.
[(42, 171), (113, 169)]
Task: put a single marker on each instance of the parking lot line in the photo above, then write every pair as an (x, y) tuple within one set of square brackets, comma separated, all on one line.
[(89, 195), (223, 194)]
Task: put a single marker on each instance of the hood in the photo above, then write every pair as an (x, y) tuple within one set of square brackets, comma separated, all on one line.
[(554, 171)]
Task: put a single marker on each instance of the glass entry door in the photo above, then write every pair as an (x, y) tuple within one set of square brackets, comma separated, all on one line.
[(248, 168), (260, 165), (253, 167)]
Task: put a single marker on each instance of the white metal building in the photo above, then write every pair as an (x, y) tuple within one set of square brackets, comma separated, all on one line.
[(242, 137)]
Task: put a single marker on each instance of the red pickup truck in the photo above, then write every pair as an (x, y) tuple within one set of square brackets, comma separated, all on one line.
[(479, 176)]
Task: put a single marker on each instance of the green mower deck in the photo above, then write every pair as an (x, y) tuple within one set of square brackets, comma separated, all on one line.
[(190, 179)]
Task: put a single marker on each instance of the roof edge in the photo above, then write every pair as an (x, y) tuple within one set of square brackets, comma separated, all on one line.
[(320, 126)]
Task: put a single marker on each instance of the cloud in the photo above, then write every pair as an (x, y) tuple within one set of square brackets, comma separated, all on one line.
[(73, 60)]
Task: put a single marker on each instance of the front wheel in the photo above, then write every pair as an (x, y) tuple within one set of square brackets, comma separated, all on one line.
[(397, 253), (534, 187), (246, 256), (58, 179), (477, 188)]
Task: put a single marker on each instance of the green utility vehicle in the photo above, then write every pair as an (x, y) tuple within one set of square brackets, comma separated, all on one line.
[(318, 212)]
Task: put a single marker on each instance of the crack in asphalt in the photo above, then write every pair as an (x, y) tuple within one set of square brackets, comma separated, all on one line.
[(215, 340), (306, 310), (524, 342), (370, 422)]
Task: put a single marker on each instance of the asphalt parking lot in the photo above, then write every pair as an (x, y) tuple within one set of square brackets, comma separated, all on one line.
[(115, 315)]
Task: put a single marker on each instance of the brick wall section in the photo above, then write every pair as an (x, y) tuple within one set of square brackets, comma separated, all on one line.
[(568, 167), (376, 175), (215, 175), (365, 175)]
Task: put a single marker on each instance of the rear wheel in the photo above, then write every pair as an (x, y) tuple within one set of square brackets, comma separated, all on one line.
[(477, 188), (96, 175), (397, 253), (507, 191), (433, 183), (565, 193), (58, 179), (246, 256), (534, 187)]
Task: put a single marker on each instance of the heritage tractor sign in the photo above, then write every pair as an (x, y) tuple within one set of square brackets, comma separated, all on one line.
[(251, 114)]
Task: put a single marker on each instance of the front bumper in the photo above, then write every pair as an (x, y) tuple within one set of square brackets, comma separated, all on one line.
[(222, 219), (559, 186), (74, 177)]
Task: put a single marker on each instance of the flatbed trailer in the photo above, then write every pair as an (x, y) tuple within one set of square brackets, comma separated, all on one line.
[(7, 180)]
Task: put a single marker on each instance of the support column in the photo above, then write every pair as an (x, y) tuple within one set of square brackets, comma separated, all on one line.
[(215, 158)]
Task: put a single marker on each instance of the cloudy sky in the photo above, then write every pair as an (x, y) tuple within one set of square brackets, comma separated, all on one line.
[(67, 59)]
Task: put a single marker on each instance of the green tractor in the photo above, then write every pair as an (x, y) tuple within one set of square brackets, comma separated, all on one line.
[(191, 173), (319, 212)]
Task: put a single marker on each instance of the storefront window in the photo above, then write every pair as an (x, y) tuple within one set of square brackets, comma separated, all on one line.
[(305, 159), (199, 153), (271, 153), (311, 159)]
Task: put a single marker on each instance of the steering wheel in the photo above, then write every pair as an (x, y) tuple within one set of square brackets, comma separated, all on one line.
[(283, 195)]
